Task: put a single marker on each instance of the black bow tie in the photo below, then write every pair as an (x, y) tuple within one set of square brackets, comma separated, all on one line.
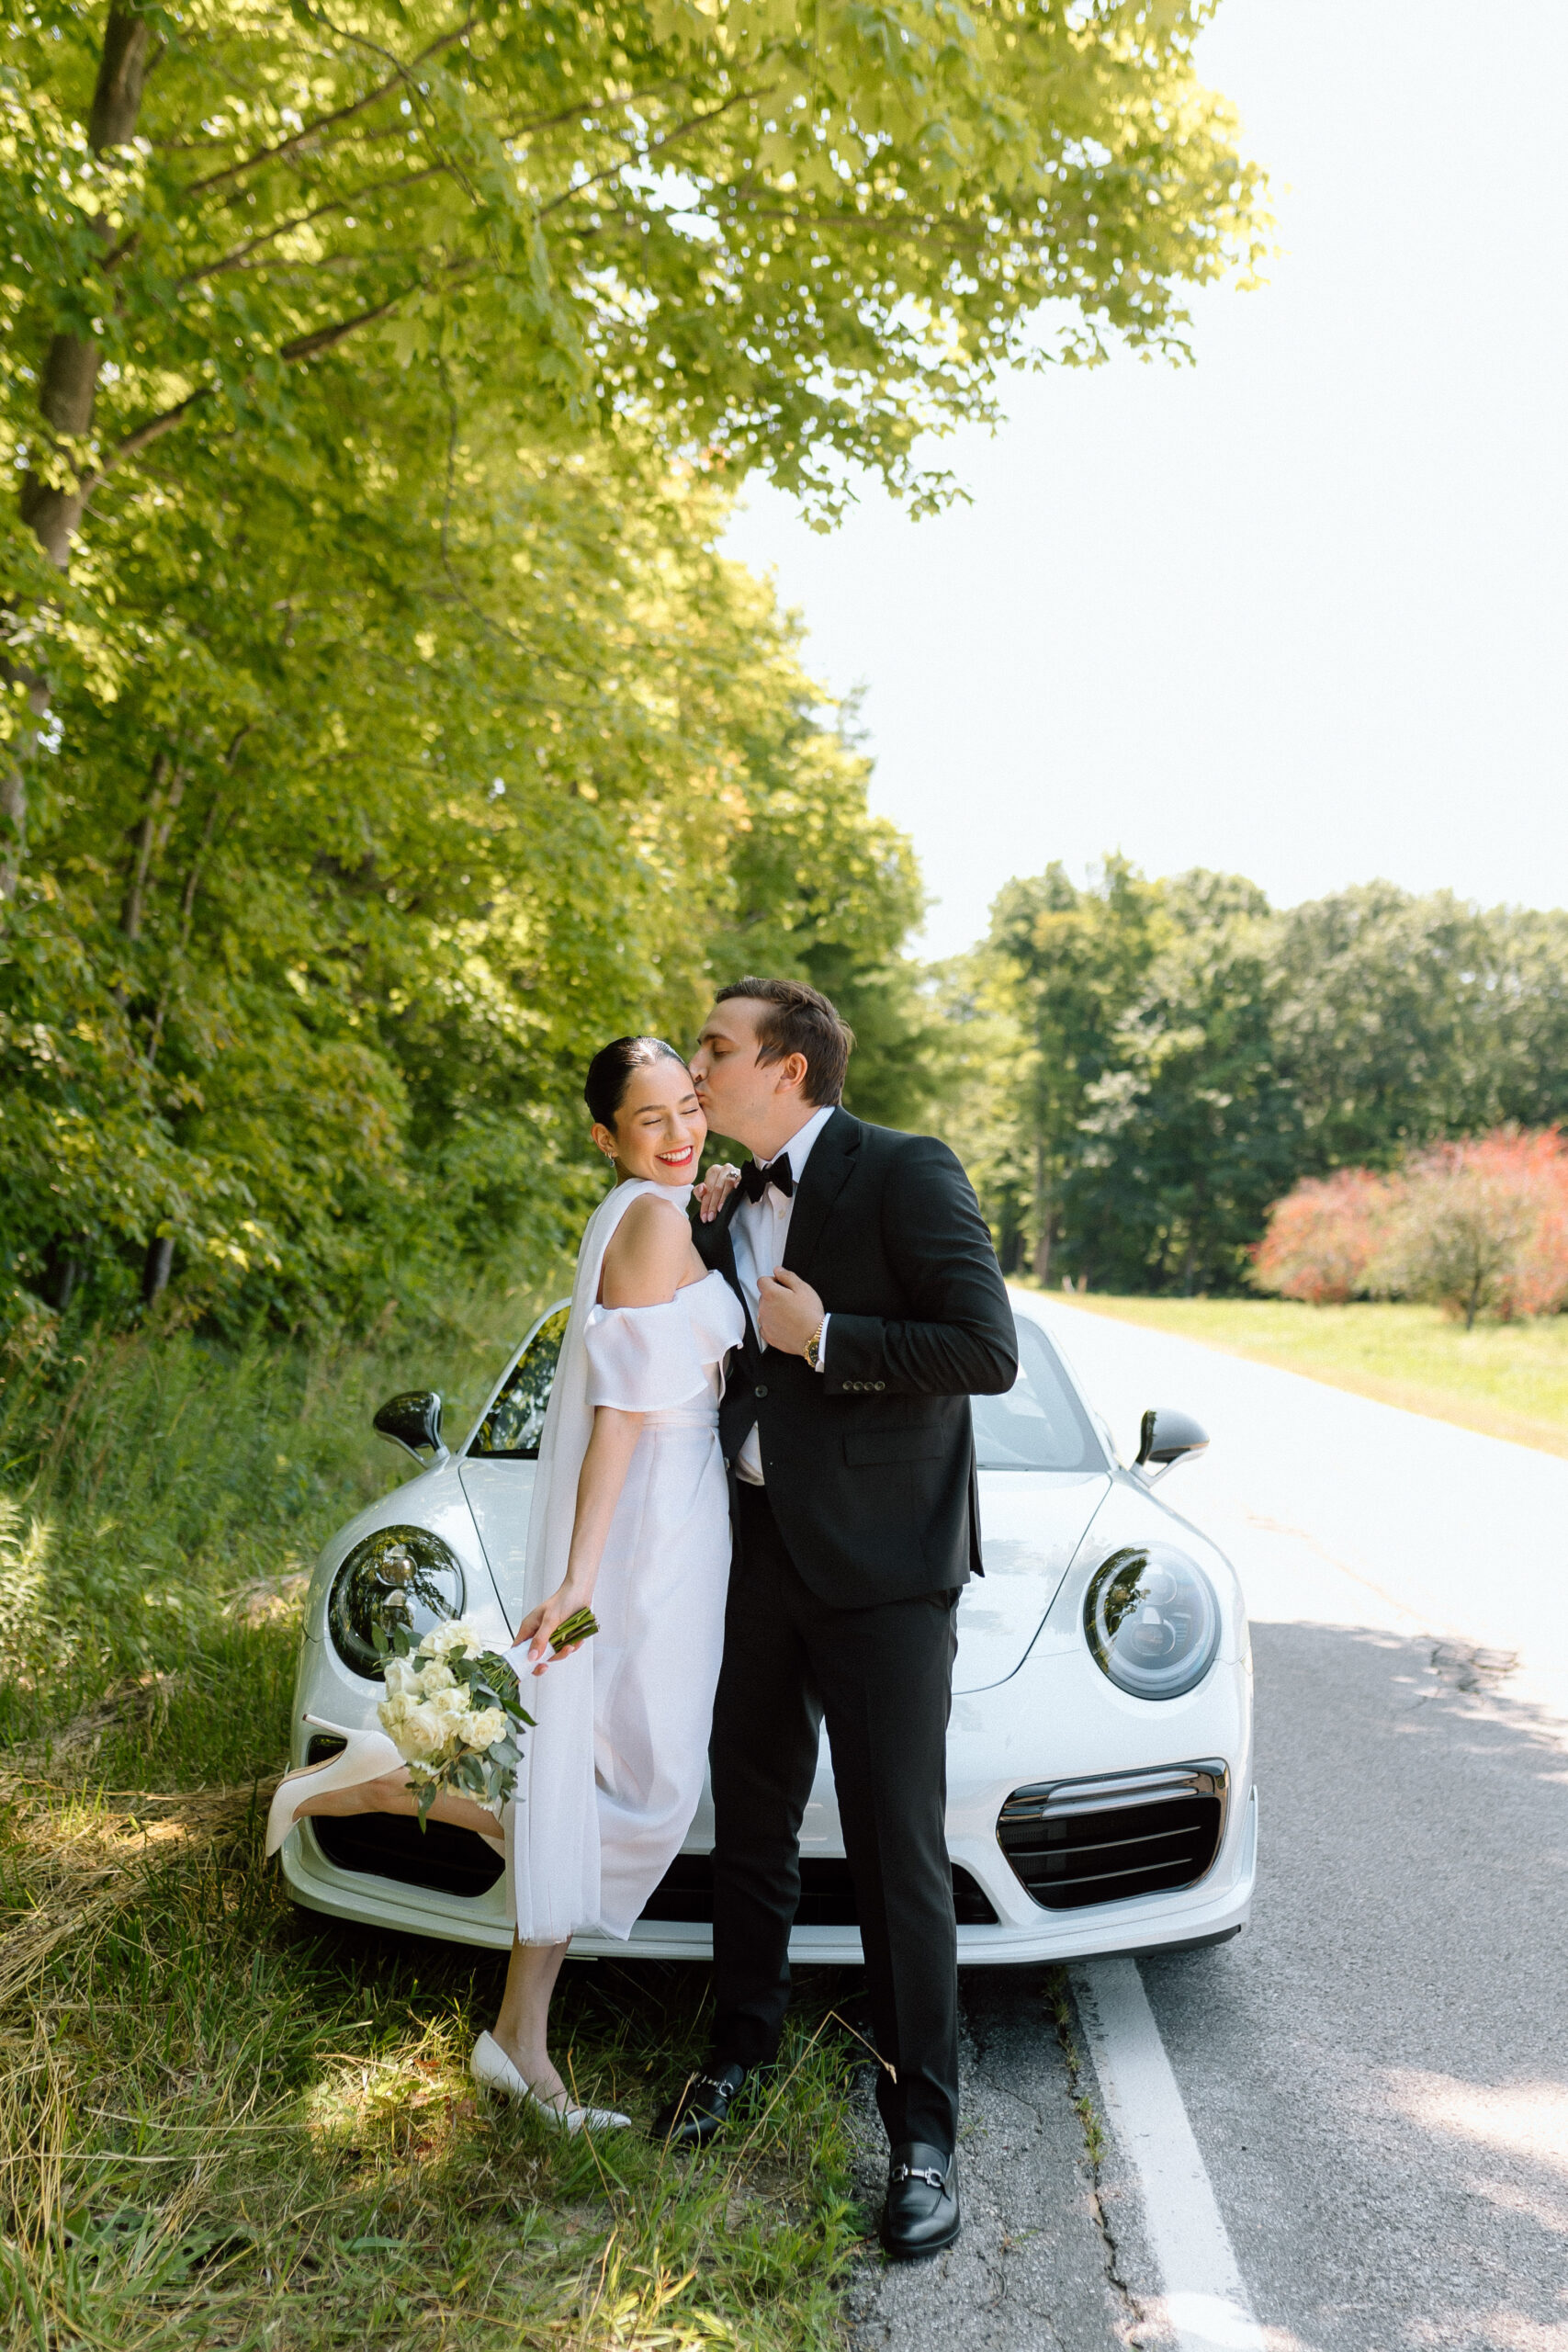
[(755, 1180)]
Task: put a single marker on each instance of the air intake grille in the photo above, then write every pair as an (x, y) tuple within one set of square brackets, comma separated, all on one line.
[(827, 1894), (391, 1845), (1072, 1843)]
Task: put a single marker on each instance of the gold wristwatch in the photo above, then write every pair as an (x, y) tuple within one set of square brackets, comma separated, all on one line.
[(814, 1346)]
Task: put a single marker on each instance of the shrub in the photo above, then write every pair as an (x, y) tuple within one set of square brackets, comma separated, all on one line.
[(1323, 1236), (1476, 1226), (1480, 1227)]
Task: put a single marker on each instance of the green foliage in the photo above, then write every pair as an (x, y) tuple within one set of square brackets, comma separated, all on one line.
[(383, 728), (330, 907), (1176, 1055), (794, 237)]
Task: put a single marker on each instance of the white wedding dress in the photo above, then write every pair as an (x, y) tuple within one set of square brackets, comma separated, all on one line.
[(612, 1773)]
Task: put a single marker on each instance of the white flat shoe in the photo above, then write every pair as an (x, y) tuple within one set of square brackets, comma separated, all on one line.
[(368, 1756), (493, 2071)]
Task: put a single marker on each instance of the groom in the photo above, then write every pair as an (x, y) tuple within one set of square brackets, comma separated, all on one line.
[(874, 1308)]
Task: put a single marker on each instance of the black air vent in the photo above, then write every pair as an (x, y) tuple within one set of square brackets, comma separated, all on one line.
[(827, 1894), (1076, 1842), (392, 1845)]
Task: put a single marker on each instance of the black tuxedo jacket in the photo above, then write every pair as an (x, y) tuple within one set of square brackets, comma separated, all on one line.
[(870, 1464)]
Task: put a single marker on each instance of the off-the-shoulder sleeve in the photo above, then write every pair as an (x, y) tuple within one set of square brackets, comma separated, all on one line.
[(643, 1359)]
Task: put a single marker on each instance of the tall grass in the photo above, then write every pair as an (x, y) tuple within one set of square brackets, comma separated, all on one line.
[(224, 2122)]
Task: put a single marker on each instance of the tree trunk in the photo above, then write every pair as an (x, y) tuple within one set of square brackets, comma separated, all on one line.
[(1044, 1214), (155, 1271), (188, 907), (151, 837), (13, 775), (51, 500), (1044, 1245)]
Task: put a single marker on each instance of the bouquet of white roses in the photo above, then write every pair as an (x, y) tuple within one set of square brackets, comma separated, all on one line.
[(453, 1712)]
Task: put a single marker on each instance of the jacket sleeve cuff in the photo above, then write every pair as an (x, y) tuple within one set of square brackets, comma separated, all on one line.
[(857, 1351)]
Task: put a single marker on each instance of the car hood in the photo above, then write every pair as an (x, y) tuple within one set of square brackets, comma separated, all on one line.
[(1032, 1522), (501, 1496)]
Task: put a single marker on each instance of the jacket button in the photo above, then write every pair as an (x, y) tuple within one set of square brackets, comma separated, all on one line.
[(761, 1389)]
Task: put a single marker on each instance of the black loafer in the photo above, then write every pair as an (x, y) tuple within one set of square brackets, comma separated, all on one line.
[(702, 2110), (922, 2213)]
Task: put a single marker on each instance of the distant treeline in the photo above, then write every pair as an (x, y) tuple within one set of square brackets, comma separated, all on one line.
[(1146, 1067)]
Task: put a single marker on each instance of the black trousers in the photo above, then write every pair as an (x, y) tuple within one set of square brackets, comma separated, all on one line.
[(883, 1678)]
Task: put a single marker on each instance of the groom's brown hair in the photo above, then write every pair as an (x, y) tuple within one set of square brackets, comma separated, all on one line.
[(800, 1020)]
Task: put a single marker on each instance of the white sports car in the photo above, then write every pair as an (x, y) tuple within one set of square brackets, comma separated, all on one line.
[(1100, 1759)]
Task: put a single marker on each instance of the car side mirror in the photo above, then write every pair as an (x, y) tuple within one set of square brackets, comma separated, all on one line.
[(412, 1420), (1167, 1438)]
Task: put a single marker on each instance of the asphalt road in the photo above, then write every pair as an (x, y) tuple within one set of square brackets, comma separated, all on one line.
[(1376, 2073)]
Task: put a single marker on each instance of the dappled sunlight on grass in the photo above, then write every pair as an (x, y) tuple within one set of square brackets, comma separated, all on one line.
[(225, 2123)]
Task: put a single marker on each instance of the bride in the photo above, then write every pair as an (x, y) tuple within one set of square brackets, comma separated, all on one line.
[(631, 1515)]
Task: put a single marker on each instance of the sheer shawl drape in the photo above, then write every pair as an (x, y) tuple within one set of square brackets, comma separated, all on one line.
[(553, 1823)]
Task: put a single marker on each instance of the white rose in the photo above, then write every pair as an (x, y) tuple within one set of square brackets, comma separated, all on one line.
[(435, 1676), (402, 1678), (485, 1726), (457, 1634), (448, 1714), (422, 1735)]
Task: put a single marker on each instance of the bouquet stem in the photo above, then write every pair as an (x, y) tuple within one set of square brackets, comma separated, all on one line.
[(579, 1627)]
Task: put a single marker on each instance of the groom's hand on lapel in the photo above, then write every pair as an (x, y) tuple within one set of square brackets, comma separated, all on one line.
[(788, 1310)]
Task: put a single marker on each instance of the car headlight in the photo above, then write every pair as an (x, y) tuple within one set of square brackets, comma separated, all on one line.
[(1151, 1620), (402, 1575)]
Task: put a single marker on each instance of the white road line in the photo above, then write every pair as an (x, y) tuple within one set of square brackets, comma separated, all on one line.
[(1204, 2308)]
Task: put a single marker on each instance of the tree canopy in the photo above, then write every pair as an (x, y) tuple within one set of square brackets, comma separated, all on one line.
[(381, 727)]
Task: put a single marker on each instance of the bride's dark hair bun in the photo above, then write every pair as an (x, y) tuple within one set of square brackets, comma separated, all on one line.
[(610, 1072)]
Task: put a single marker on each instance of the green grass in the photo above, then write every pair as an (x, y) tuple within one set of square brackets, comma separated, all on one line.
[(224, 2122), (1506, 1379)]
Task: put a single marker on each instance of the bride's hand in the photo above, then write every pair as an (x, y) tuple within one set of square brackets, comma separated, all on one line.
[(714, 1189), (541, 1623)]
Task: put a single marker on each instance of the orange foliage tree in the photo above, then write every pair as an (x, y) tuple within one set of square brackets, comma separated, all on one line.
[(1322, 1237), (1476, 1226), (1480, 1227)]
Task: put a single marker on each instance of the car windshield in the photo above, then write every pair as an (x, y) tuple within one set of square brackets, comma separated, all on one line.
[(1039, 1423), (511, 1428)]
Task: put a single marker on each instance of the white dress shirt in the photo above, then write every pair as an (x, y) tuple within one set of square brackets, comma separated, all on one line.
[(757, 1233)]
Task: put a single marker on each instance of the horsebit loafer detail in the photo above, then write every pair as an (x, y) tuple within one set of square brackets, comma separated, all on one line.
[(700, 2112), (922, 2214)]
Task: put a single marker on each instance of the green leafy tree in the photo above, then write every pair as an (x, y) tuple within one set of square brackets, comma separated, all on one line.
[(380, 727), (787, 238), (333, 901), (1067, 966), (1191, 1133)]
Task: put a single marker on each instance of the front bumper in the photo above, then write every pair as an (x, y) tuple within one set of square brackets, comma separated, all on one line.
[(1220, 1905), (1057, 1718)]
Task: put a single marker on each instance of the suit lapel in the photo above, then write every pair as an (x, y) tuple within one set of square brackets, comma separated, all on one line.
[(716, 1247), (826, 1173)]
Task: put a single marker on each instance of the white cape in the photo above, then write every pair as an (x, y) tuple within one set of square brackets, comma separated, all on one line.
[(553, 1822)]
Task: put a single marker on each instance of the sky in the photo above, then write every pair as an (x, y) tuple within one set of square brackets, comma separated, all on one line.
[(1296, 612)]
